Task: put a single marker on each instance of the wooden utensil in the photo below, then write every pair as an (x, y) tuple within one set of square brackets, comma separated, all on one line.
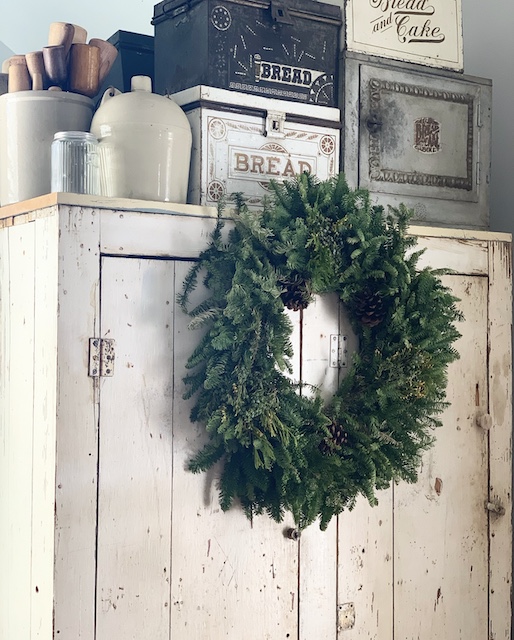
[(61, 34), (37, 82), (84, 69), (36, 65), (19, 78), (12, 60), (108, 53), (55, 64), (80, 36)]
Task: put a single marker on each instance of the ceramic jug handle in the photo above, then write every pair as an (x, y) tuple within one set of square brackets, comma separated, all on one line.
[(110, 92)]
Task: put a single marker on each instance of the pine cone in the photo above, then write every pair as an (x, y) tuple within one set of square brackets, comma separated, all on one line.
[(369, 308), (297, 293), (338, 437)]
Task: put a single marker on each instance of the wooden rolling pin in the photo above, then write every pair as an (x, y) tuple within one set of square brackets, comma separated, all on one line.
[(84, 69), (36, 66), (61, 34), (55, 65)]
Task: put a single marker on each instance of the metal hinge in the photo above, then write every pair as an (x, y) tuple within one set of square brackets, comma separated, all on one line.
[(101, 357), (338, 356), (479, 115)]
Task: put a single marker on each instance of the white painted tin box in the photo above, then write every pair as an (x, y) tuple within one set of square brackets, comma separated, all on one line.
[(241, 142)]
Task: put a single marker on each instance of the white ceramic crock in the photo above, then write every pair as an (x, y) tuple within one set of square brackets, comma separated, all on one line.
[(145, 144), (28, 122)]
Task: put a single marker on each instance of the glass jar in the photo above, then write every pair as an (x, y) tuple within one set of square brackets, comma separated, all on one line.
[(75, 163)]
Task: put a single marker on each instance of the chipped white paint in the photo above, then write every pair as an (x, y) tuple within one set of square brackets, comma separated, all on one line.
[(135, 530)]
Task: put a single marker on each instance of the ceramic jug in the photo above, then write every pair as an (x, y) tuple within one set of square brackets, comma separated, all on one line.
[(144, 143)]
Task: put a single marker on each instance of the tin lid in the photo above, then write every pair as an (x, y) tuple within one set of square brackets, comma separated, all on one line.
[(307, 9), (81, 136), (131, 40)]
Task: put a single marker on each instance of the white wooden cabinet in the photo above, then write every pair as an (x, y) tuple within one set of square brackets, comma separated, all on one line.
[(103, 533)]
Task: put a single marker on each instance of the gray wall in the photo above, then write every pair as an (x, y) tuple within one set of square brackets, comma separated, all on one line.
[(488, 52)]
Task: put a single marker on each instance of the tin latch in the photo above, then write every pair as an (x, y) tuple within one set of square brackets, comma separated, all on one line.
[(275, 121), (279, 12)]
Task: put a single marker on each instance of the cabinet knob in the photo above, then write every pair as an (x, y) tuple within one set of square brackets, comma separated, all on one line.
[(293, 534), (484, 421), (374, 123)]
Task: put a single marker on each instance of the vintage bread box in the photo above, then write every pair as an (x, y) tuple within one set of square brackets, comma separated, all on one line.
[(241, 142), (420, 136), (421, 31), (264, 47)]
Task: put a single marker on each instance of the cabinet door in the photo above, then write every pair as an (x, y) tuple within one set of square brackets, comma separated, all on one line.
[(417, 565), (170, 563)]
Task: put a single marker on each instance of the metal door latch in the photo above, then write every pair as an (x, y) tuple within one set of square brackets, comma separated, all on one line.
[(345, 616), (495, 507), (279, 12), (101, 357), (275, 121), (338, 356)]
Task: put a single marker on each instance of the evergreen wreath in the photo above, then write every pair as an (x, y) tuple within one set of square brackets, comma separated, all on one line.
[(284, 450)]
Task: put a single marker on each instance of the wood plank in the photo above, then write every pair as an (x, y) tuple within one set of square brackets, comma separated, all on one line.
[(136, 233), (500, 438), (440, 524), (460, 255), (77, 417), (318, 549), (230, 578), (365, 570), (20, 425), (45, 406), (5, 428), (43, 203), (135, 466)]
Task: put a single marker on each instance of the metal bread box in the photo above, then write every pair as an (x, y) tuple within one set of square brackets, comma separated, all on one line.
[(419, 136), (420, 31), (241, 142), (265, 47), (135, 58)]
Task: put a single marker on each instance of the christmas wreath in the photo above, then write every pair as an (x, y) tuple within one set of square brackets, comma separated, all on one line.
[(284, 450)]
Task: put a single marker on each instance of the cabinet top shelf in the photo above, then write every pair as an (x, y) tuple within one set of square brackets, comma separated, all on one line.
[(102, 202), (20, 212)]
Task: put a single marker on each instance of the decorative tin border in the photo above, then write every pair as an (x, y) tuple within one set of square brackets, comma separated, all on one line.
[(376, 87)]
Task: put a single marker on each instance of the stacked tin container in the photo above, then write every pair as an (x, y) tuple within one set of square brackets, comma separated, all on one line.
[(272, 89)]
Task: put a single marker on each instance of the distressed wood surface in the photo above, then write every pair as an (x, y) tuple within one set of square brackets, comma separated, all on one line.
[(318, 549), (135, 461), (135, 233), (500, 438), (365, 570), (225, 577), (440, 523), (77, 419), (45, 406), (5, 432), (20, 429), (231, 578)]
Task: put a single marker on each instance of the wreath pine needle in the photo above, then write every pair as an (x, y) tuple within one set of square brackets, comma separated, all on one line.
[(281, 450)]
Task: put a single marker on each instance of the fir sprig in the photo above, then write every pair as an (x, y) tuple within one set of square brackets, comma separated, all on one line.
[(278, 453)]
